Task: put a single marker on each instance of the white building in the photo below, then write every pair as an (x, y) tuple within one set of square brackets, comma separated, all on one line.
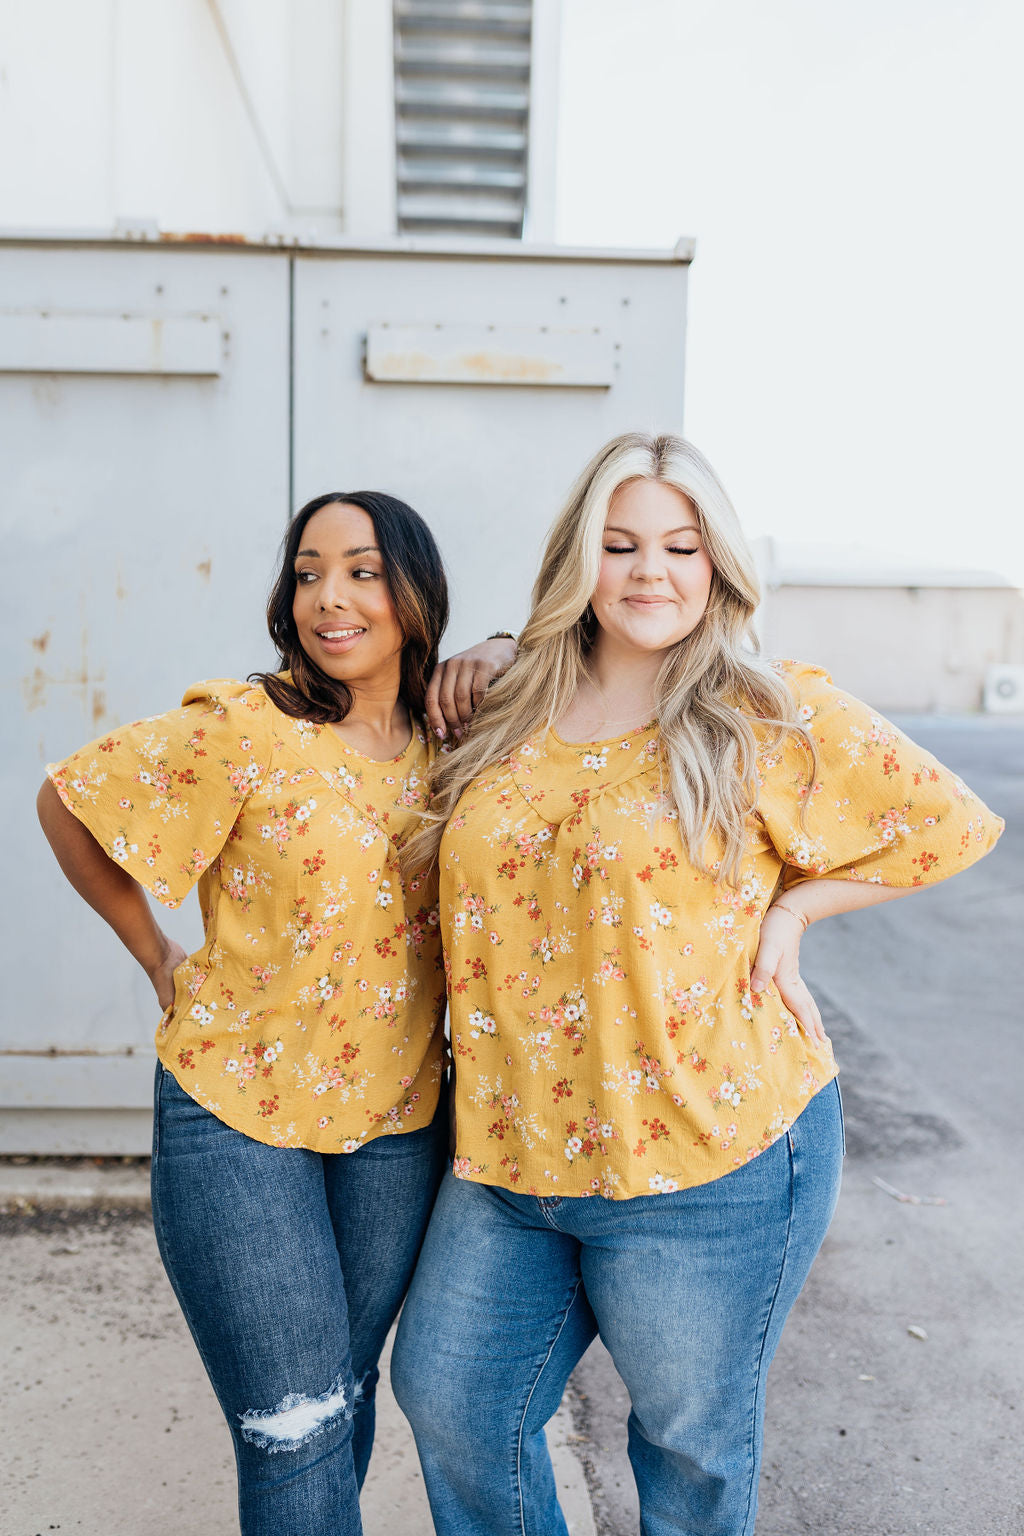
[(333, 118)]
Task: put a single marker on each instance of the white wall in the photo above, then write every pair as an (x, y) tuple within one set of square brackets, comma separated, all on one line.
[(902, 648), (850, 173), (219, 116)]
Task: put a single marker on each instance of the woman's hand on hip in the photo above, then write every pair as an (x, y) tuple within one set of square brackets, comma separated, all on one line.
[(459, 684), (778, 960), (162, 974)]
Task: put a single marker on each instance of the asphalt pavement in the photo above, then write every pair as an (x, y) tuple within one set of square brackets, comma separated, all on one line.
[(894, 1400)]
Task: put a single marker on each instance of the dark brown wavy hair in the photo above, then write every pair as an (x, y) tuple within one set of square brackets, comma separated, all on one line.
[(419, 591)]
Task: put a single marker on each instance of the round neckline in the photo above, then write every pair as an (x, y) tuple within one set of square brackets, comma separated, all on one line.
[(377, 762), (605, 741)]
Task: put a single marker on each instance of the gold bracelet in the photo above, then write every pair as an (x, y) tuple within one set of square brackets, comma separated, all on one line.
[(801, 917)]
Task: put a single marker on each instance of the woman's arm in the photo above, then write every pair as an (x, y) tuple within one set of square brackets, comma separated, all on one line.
[(110, 891), (783, 926), (459, 683)]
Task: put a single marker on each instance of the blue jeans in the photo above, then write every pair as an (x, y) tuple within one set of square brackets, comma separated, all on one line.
[(290, 1268), (689, 1291)]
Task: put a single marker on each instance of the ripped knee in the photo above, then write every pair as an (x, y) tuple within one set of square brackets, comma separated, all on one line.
[(297, 1419)]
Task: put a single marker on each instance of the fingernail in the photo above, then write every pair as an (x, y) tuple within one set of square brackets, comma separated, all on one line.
[(438, 732)]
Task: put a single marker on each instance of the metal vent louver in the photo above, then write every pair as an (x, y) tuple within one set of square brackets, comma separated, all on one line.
[(462, 93)]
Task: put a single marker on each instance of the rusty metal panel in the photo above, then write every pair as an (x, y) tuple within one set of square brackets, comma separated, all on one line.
[(141, 517), (488, 467), (489, 354), (35, 341)]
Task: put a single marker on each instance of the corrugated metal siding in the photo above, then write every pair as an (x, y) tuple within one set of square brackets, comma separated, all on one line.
[(462, 95)]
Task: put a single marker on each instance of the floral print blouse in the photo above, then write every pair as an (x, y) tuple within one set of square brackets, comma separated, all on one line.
[(310, 1016), (605, 1035)]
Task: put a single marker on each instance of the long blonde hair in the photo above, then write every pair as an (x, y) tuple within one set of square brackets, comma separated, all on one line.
[(711, 684)]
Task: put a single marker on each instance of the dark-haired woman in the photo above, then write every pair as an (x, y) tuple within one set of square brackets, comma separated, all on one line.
[(298, 1135)]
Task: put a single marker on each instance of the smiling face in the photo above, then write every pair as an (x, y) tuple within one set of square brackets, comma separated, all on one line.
[(655, 576), (342, 608)]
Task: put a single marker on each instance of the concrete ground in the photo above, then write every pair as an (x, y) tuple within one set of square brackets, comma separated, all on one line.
[(112, 1429), (873, 1430)]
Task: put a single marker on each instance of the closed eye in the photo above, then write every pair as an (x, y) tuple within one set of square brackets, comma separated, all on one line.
[(630, 549)]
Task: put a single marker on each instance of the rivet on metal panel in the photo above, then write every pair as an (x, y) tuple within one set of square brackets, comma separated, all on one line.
[(224, 291), (563, 300), (625, 301), (159, 288)]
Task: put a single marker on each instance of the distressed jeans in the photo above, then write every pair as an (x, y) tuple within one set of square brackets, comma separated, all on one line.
[(689, 1291), (290, 1268)]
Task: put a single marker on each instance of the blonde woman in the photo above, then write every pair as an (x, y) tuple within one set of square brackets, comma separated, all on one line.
[(641, 824)]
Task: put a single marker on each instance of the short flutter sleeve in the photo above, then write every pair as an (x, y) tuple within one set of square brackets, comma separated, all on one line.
[(881, 807), (161, 795)]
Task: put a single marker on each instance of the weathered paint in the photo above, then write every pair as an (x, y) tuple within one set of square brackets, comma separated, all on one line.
[(488, 354), (70, 342)]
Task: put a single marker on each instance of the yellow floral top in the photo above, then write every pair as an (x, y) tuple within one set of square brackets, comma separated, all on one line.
[(310, 1015), (606, 1039)]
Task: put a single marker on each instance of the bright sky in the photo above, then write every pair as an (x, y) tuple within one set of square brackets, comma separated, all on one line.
[(852, 174)]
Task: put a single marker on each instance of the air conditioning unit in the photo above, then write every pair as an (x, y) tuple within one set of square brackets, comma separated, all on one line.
[(1004, 689)]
